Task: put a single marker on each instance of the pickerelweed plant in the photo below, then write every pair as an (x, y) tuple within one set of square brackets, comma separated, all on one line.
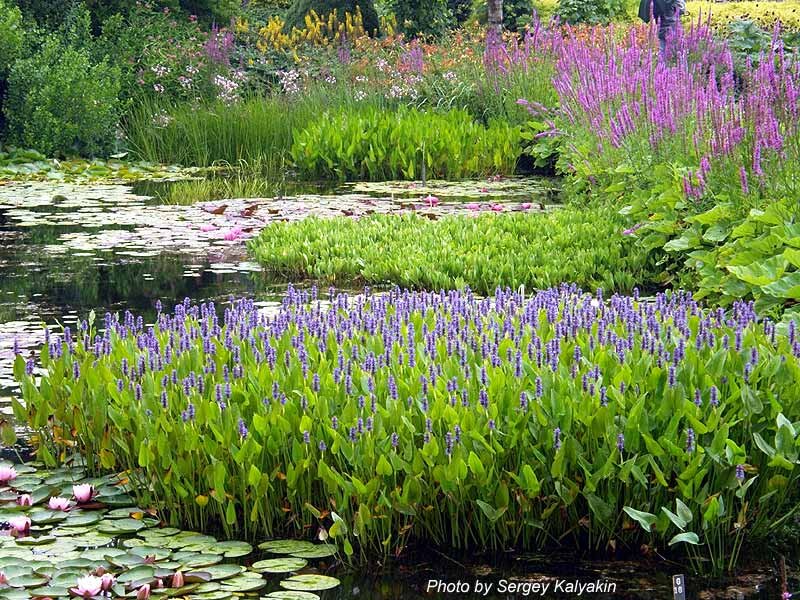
[(509, 421)]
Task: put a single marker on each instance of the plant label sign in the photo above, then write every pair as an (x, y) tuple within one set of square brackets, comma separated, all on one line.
[(678, 587)]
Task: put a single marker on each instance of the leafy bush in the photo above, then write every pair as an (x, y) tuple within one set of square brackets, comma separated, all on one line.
[(11, 37), (60, 101), (516, 13), (440, 418), (164, 55), (508, 249), (296, 15), (376, 144), (591, 11), (460, 9), (422, 17)]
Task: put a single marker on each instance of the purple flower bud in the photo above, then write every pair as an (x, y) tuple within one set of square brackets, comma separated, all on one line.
[(395, 440), (306, 437), (620, 442), (242, 428), (557, 438), (690, 440), (740, 472)]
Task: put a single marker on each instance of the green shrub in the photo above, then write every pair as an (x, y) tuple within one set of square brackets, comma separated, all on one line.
[(60, 101), (11, 36), (295, 16), (591, 11), (460, 9), (422, 17), (377, 144), (535, 250)]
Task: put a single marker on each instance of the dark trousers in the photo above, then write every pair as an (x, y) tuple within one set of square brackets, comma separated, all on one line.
[(666, 23)]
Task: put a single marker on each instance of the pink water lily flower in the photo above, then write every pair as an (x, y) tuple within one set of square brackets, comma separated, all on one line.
[(87, 587), (20, 525), (25, 500), (58, 503), (3, 578), (525, 206), (7, 474), (497, 207), (206, 227), (484, 190), (473, 206), (233, 234), (83, 492), (431, 200), (144, 592)]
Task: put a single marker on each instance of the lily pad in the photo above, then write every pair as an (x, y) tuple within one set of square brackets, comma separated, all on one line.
[(233, 549), (226, 571), (246, 582), (286, 546), (319, 551), (120, 526), (310, 583), (279, 565), (291, 595)]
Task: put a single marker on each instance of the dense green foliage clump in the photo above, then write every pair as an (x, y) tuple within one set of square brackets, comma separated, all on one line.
[(405, 144), (591, 11), (61, 99), (534, 250)]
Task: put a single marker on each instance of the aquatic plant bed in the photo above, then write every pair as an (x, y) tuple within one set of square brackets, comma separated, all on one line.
[(27, 165), (507, 421), (581, 244), (67, 534)]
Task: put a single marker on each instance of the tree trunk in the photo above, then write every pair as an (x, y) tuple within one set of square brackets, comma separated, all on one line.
[(495, 14)]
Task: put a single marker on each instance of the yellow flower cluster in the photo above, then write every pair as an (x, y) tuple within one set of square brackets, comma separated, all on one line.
[(765, 14), (317, 31)]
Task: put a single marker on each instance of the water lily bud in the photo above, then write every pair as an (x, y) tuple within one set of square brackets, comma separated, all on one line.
[(144, 592), (106, 581), (20, 525), (25, 500), (178, 580), (7, 474)]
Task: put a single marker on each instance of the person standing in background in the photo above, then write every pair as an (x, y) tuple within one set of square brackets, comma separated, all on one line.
[(667, 13)]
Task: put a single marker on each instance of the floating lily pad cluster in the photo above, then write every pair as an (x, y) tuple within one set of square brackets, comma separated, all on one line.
[(19, 164), (65, 534)]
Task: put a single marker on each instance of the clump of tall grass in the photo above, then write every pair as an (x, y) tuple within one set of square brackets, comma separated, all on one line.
[(257, 129)]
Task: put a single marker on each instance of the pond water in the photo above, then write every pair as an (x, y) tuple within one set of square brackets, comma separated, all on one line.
[(68, 248)]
